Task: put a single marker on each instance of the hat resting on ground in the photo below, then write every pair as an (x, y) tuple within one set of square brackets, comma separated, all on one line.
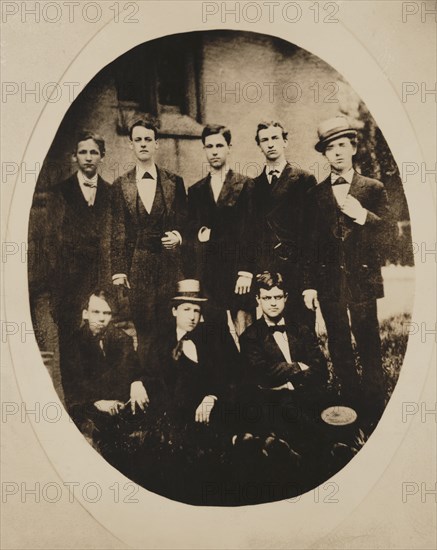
[(331, 129)]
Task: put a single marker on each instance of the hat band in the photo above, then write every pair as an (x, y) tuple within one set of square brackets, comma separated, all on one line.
[(337, 130)]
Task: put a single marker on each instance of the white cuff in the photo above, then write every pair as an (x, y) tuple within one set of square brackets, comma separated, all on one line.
[(204, 234), (303, 366), (213, 396), (245, 274), (308, 290), (118, 275)]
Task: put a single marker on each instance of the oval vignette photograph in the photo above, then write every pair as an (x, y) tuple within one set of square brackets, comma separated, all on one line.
[(221, 268)]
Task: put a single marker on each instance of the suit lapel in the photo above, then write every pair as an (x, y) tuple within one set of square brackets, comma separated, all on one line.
[(130, 191), (101, 196), (231, 189), (168, 189), (270, 344)]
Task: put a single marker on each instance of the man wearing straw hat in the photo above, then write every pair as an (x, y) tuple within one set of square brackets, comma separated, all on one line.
[(347, 216)]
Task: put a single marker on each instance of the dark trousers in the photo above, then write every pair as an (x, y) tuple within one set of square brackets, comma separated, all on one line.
[(365, 328)]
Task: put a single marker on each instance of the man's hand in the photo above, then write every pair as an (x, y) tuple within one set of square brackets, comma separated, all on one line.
[(243, 285), (204, 234), (310, 299), (352, 208), (138, 396), (122, 280), (170, 241), (111, 406), (203, 411)]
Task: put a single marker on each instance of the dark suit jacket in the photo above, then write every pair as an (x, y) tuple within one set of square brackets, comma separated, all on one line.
[(232, 223), (341, 246), (266, 365), (89, 375), (79, 250), (282, 229), (125, 214), (178, 387)]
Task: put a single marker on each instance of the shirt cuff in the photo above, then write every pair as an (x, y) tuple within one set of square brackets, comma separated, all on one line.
[(361, 219), (245, 274), (308, 290), (118, 275), (213, 396), (178, 235), (303, 366)]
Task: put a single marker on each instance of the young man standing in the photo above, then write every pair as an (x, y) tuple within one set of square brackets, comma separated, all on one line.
[(79, 247), (222, 225), (281, 201), (149, 213), (348, 213)]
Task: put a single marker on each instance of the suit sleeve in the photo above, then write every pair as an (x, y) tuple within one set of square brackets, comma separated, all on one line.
[(311, 241), (181, 208), (247, 236), (259, 368), (312, 356), (118, 231), (378, 213)]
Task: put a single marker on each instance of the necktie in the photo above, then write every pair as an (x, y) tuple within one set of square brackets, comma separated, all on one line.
[(277, 328), (176, 352), (147, 176), (90, 183), (339, 181), (101, 346), (274, 178)]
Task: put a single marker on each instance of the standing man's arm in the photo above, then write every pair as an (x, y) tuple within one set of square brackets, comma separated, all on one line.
[(174, 237), (118, 237), (310, 252), (246, 240)]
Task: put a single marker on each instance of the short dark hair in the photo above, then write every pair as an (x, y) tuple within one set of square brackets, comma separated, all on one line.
[(148, 124), (87, 134), (213, 129), (263, 125), (102, 293), (268, 280)]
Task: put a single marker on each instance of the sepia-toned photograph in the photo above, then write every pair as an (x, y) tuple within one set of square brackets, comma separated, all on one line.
[(221, 268)]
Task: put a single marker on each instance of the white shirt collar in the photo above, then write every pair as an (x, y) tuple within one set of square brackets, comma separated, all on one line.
[(221, 174), (271, 323), (180, 333), (280, 167), (81, 177), (348, 176), (140, 171)]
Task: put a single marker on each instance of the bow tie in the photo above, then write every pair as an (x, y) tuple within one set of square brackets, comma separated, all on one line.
[(277, 328), (340, 181), (176, 352), (90, 183), (273, 172), (147, 176)]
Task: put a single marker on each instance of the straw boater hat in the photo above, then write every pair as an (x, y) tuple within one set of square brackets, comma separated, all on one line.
[(188, 290), (331, 129)]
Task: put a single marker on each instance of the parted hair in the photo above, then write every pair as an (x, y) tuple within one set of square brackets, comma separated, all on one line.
[(263, 125), (87, 134), (268, 280), (149, 125), (213, 129), (104, 294)]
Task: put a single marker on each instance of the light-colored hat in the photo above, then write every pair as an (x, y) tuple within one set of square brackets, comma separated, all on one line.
[(331, 129), (188, 290)]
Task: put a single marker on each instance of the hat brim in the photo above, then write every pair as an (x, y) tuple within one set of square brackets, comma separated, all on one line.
[(320, 145), (188, 299)]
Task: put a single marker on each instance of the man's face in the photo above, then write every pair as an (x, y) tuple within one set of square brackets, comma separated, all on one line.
[(272, 144), (143, 144), (339, 153), (98, 315), (88, 157), (216, 150), (187, 316), (272, 302)]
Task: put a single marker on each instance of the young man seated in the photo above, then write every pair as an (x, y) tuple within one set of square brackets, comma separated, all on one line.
[(101, 368), (285, 370)]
